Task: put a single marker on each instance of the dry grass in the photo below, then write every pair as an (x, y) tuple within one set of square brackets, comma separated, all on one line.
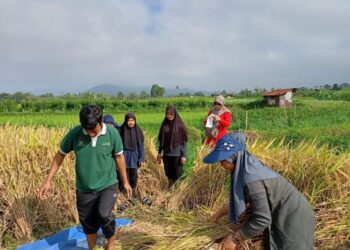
[(179, 217)]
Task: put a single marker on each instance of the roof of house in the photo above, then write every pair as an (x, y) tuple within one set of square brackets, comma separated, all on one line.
[(277, 92)]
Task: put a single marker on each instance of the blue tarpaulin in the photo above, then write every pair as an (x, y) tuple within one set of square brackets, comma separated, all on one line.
[(70, 239)]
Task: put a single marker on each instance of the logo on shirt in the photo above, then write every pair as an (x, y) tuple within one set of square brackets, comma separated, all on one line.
[(107, 143)]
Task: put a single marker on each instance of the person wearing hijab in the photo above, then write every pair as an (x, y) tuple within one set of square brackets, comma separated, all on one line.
[(278, 208), (133, 148), (217, 122), (172, 140), (108, 119)]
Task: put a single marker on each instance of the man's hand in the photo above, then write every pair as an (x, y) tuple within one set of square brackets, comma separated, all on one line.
[(55, 165), (227, 243), (215, 217), (44, 190), (159, 159), (140, 164), (220, 213), (183, 160), (128, 190)]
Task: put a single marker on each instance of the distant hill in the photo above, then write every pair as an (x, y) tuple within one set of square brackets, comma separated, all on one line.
[(112, 90)]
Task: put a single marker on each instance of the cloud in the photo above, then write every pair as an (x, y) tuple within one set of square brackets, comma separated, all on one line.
[(67, 45)]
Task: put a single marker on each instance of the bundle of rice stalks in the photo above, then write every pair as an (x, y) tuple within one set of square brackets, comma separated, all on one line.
[(158, 229), (155, 228), (24, 165), (203, 186), (176, 216), (332, 225), (321, 173), (152, 180)]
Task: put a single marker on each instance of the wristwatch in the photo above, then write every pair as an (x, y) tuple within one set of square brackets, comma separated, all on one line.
[(236, 239)]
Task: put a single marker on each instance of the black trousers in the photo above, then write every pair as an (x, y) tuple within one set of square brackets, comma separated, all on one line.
[(132, 178), (172, 167), (95, 210)]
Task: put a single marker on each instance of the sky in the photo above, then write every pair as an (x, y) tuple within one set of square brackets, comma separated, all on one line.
[(70, 46)]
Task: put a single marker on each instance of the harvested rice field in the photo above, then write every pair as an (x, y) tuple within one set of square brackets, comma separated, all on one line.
[(179, 217)]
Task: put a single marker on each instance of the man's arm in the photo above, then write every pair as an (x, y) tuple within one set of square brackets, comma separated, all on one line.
[(220, 213), (55, 165), (120, 164), (262, 217)]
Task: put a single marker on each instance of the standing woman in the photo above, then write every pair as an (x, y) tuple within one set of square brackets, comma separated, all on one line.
[(172, 140), (217, 121), (278, 208), (133, 147)]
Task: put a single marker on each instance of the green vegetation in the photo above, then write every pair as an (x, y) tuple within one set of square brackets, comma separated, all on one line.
[(308, 143), (307, 119), (26, 102)]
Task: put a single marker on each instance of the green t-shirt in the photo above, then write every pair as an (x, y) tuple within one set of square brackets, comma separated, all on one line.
[(94, 160)]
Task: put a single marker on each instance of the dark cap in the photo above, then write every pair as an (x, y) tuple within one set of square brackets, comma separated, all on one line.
[(225, 147)]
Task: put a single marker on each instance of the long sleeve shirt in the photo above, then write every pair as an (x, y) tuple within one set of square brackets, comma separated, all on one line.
[(178, 151), (222, 126), (281, 209), (134, 157)]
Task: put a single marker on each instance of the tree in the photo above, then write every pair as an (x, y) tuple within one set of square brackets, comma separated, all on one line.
[(120, 95), (4, 96), (258, 91), (336, 86), (144, 94), (157, 91), (200, 93), (47, 95), (132, 96), (245, 92), (19, 96)]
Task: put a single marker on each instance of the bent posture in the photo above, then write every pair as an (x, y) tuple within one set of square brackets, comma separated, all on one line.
[(277, 206)]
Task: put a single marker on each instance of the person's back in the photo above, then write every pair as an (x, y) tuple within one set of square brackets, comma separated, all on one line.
[(286, 206), (275, 204)]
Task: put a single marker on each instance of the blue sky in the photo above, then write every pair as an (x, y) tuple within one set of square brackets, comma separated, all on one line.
[(63, 46)]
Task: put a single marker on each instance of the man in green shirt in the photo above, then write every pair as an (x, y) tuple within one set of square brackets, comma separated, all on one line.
[(98, 150)]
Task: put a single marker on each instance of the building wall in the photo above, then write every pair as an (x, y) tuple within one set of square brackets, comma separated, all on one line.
[(288, 96), (279, 101)]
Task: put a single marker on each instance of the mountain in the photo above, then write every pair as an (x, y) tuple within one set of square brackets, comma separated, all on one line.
[(172, 91), (110, 89)]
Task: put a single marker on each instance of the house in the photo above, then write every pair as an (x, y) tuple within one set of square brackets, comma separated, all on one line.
[(279, 98)]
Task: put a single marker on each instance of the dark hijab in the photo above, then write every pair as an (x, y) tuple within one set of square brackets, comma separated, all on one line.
[(109, 119), (172, 133), (132, 137)]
